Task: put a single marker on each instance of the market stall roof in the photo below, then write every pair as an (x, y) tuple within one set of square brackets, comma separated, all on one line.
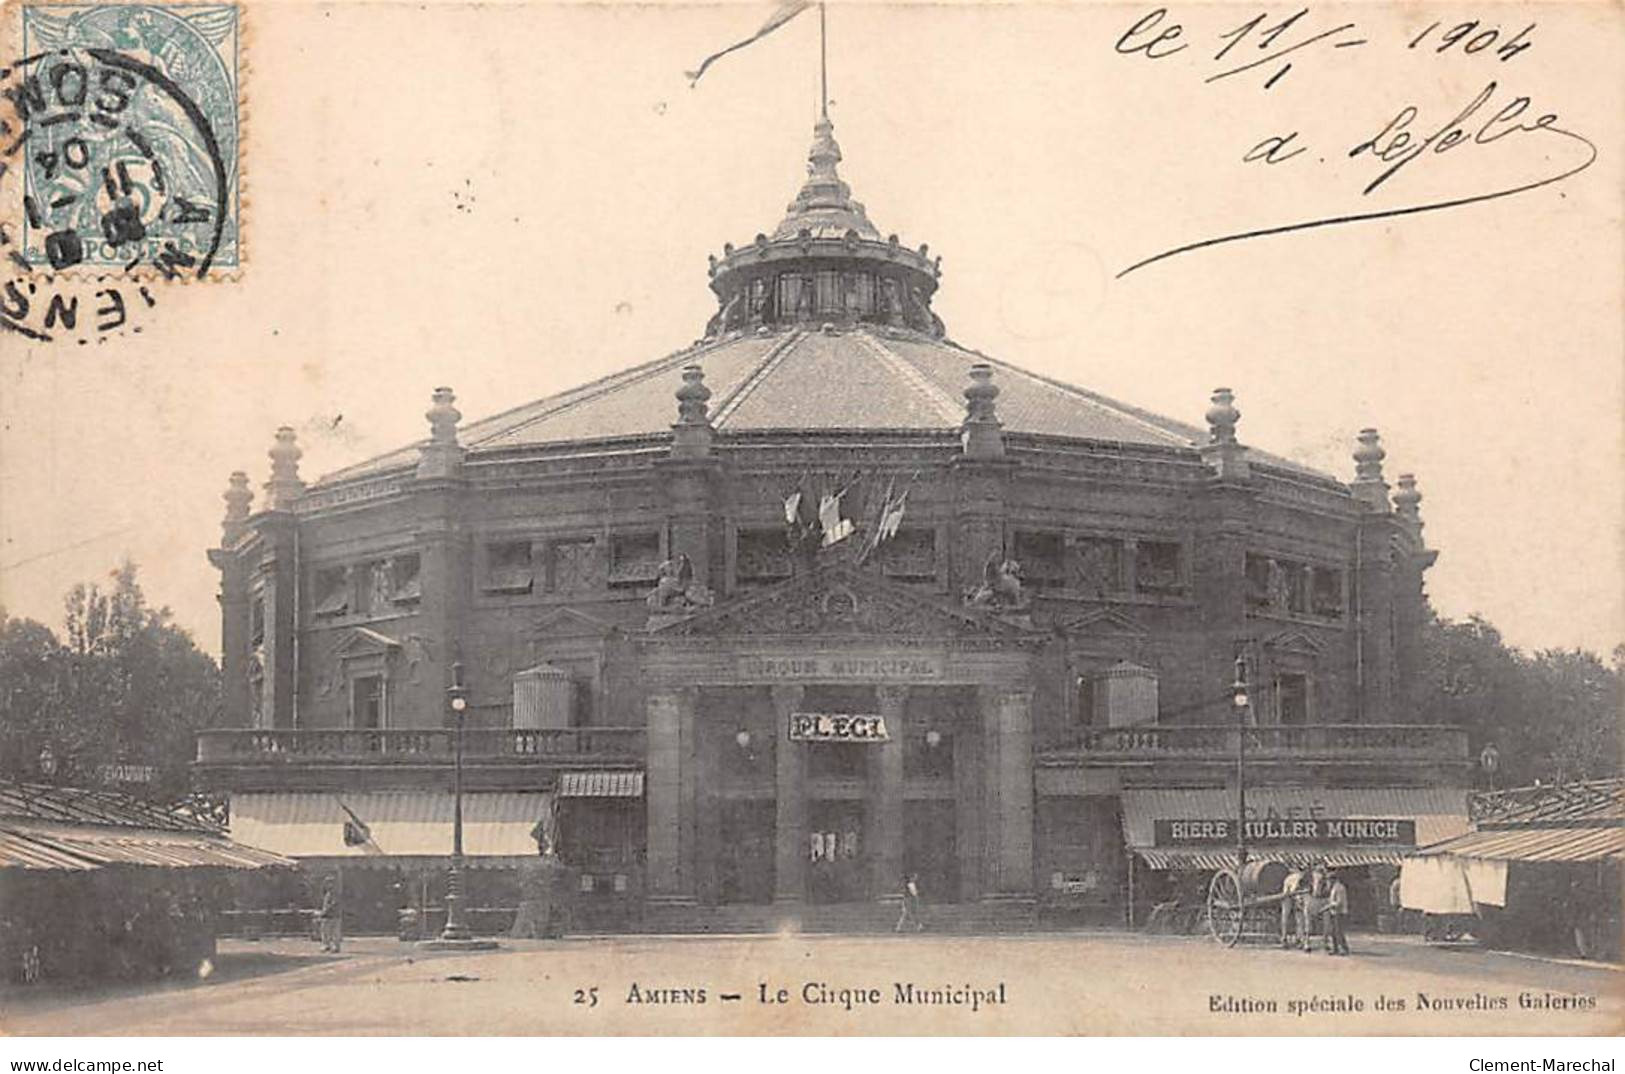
[(68, 828), (1588, 803), (1537, 844)]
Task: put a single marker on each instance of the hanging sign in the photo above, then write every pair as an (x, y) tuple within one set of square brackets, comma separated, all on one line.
[(837, 727), (1287, 830)]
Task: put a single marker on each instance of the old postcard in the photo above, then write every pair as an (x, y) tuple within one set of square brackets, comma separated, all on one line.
[(797, 518)]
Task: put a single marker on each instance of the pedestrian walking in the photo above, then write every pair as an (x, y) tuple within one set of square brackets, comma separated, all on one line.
[(909, 920), (331, 919), (1337, 909), (1289, 905)]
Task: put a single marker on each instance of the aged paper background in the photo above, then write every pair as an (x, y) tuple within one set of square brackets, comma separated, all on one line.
[(512, 199)]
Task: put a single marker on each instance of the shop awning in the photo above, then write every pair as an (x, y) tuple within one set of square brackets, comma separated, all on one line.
[(51, 846), (1437, 814), (1213, 861), (1537, 844), (396, 823), (600, 784)]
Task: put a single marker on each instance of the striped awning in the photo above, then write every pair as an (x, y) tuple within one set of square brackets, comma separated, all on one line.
[(1538, 844), (600, 784), (311, 824), (1215, 860), (51, 846)]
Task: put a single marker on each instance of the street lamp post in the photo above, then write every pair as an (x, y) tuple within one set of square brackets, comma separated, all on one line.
[(1238, 695), (456, 935)]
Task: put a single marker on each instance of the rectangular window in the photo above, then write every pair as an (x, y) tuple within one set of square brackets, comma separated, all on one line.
[(1097, 566), (1327, 599), (860, 293), (928, 753), (837, 760), (406, 581), (1292, 699), (829, 293), (634, 558), (256, 621), (1043, 559), (367, 703), (508, 567), (758, 298), (1157, 567), (1085, 707), (332, 592), (1259, 569)]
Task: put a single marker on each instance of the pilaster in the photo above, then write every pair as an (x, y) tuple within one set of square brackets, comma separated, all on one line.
[(668, 788), (1007, 765), (790, 817), (886, 784)]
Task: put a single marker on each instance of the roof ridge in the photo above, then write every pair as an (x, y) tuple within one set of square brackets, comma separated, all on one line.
[(578, 393), (1144, 418), (944, 403), (770, 361)]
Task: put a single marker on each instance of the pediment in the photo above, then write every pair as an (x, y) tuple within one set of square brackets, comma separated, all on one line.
[(1294, 641), (841, 600), (569, 623), (1104, 621), (364, 641)]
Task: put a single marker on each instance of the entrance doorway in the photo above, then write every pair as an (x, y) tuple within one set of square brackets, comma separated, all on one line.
[(745, 855), (929, 850), (838, 862)]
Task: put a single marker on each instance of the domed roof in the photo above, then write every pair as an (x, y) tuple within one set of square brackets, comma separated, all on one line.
[(822, 327)]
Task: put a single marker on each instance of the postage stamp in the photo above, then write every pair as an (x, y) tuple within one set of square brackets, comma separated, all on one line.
[(130, 130)]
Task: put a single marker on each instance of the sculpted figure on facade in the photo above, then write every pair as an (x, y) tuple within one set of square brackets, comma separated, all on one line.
[(676, 591), (1001, 586)]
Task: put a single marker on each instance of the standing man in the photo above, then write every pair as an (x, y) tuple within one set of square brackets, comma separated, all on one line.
[(1314, 902), (910, 918), (1337, 909), (330, 918), (1289, 905)]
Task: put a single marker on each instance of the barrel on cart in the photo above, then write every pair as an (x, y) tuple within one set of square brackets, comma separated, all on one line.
[(1248, 904)]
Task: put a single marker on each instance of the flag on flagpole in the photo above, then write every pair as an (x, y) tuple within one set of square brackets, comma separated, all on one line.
[(787, 10)]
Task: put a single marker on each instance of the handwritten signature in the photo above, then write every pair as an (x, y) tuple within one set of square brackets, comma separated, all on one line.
[(1399, 143)]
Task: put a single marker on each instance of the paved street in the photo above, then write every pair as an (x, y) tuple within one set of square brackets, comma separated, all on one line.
[(1099, 982)]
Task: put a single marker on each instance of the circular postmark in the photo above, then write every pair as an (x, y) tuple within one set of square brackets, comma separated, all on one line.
[(118, 162)]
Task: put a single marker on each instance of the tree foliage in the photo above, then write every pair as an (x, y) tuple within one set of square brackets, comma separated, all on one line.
[(123, 686), (1552, 715)]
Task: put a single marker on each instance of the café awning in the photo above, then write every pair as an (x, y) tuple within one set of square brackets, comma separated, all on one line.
[(311, 824)]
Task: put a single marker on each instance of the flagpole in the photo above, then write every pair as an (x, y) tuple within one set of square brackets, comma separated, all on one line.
[(823, 65)]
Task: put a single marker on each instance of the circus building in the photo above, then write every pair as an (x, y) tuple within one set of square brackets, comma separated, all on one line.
[(823, 600)]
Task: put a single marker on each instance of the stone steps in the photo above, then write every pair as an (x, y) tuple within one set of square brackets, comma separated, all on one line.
[(879, 916)]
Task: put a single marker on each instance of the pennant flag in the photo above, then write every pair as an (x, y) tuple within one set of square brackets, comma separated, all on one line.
[(786, 11), (792, 508), (892, 518)]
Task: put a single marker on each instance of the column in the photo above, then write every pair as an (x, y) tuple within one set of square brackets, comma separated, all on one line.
[(1007, 767), (790, 816), (969, 801), (668, 788), (886, 792)]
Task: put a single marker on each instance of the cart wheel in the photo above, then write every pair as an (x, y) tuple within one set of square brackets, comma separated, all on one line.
[(1224, 908)]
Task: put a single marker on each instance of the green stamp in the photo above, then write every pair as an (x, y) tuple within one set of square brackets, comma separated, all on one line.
[(131, 133)]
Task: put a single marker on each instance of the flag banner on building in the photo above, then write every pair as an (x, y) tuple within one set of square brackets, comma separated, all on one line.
[(786, 11), (837, 727)]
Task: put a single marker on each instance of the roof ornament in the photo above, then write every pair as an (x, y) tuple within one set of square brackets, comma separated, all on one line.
[(284, 488), (1408, 500), (237, 496), (981, 436), (442, 456), (693, 432), (1223, 454), (1369, 487)]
